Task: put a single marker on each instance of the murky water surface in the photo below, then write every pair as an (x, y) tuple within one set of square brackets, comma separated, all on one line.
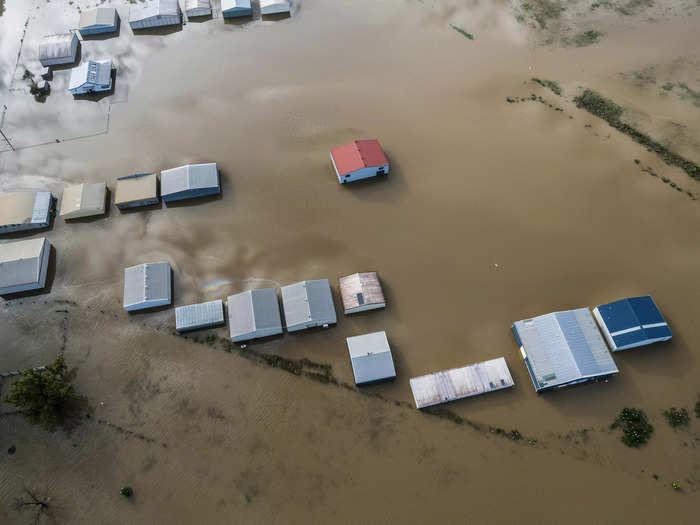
[(493, 212)]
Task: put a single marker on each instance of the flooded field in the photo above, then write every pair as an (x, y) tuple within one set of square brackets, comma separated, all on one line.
[(505, 200)]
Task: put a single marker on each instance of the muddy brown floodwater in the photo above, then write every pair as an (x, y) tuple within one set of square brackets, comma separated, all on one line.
[(493, 212)]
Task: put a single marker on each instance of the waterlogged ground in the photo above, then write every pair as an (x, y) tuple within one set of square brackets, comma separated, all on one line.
[(505, 201)]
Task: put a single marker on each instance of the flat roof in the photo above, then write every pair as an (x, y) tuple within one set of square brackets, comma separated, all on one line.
[(370, 357), (201, 315), (134, 188)]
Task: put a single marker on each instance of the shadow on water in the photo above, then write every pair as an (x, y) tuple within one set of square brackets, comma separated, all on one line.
[(71, 65), (387, 187), (105, 36), (141, 209), (194, 201), (239, 20), (276, 17), (162, 30), (201, 18), (50, 275)]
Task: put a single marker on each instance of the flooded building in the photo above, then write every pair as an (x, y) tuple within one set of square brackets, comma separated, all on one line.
[(147, 285), (91, 77), (632, 322), (189, 182), (254, 314), (458, 383), (234, 8), (60, 49), (360, 292), (370, 357), (23, 265), (100, 20), (155, 13), (195, 8), (140, 189), (563, 348), (308, 304), (196, 316), (83, 200), (274, 7), (359, 159), (25, 210)]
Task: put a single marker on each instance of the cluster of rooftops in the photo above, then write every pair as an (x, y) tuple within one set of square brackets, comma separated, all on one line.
[(94, 76)]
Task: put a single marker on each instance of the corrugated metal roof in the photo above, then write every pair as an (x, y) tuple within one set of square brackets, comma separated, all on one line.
[(371, 358), (235, 5), (137, 187), (361, 291), (458, 383), (147, 285), (22, 264), (271, 7), (308, 304), (57, 46), (563, 348), (192, 178), (632, 322), (357, 155), (83, 200), (94, 72), (202, 315), (101, 16), (153, 8), (25, 210), (254, 314), (197, 7)]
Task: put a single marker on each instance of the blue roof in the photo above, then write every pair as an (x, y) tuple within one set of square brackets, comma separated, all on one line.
[(631, 322)]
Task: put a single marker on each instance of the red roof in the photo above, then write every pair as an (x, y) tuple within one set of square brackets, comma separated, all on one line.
[(358, 154)]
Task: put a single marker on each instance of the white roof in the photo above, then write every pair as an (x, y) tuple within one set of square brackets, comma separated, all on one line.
[(200, 315), (57, 46), (83, 200), (370, 357), (24, 207), (235, 4), (196, 5), (98, 72), (189, 177), (101, 16), (147, 285), (154, 8), (269, 7), (21, 262)]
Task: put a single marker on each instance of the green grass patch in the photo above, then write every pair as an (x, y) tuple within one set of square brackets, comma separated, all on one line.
[(636, 430), (601, 107), (549, 84), (462, 32)]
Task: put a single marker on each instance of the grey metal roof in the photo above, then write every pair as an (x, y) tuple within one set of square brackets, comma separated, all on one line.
[(197, 7), (192, 177), (458, 383), (152, 9), (95, 72), (24, 210), (254, 314), (147, 286), (101, 16), (308, 304), (371, 358), (202, 315), (269, 7), (563, 348), (227, 5), (57, 46), (23, 265)]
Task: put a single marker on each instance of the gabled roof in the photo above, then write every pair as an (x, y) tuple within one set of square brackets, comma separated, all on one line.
[(83, 200), (361, 291), (563, 348), (147, 285), (22, 264), (254, 314), (25, 208), (101, 16), (269, 7), (189, 177), (96, 72), (308, 303), (137, 187), (153, 8), (197, 6), (371, 358), (357, 155), (57, 46), (235, 4), (632, 322)]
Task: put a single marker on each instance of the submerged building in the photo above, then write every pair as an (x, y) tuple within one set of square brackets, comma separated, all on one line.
[(100, 20), (274, 7), (632, 322), (196, 316), (23, 265), (60, 49), (83, 200), (360, 292), (147, 285), (140, 189), (234, 8), (91, 77), (563, 348), (156, 13), (458, 383), (25, 210), (194, 8), (360, 159), (189, 182), (254, 314), (370, 357), (308, 304)]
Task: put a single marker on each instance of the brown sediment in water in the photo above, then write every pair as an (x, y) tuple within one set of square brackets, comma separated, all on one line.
[(492, 212)]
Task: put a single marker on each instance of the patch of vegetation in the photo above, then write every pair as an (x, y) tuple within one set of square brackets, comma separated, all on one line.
[(677, 417), (44, 395), (675, 485), (553, 86), (532, 98), (541, 11), (462, 32), (40, 93), (127, 492), (697, 408), (636, 430), (606, 109), (683, 91), (632, 7), (587, 38), (642, 77)]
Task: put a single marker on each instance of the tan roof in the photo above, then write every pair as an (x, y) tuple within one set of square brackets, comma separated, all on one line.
[(17, 208), (133, 189), (360, 290), (83, 200)]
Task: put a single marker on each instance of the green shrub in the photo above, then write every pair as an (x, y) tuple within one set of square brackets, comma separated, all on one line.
[(636, 430), (677, 417)]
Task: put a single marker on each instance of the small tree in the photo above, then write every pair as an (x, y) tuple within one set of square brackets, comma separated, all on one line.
[(43, 395)]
